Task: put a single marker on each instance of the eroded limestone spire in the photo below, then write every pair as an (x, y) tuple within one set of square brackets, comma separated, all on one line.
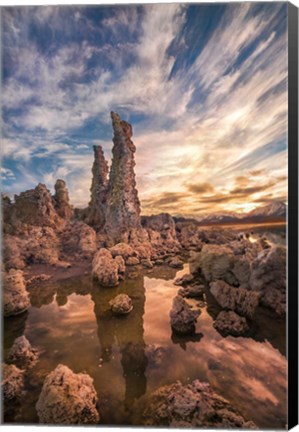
[(61, 200), (97, 204), (123, 206)]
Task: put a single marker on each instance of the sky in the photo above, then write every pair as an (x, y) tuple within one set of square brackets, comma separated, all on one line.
[(204, 87)]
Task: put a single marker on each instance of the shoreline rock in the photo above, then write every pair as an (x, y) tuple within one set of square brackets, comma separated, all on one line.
[(182, 317), (67, 398), (15, 298)]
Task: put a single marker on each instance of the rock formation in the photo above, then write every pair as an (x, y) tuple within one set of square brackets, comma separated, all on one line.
[(195, 405), (121, 304), (106, 269), (123, 206), (22, 354), (12, 383), (182, 317), (230, 323), (35, 207), (236, 299), (67, 398), (61, 200), (97, 204), (15, 298)]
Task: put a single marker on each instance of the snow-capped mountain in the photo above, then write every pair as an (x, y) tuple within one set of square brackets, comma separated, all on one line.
[(273, 209)]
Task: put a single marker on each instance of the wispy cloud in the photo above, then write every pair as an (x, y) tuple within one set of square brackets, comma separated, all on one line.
[(205, 110)]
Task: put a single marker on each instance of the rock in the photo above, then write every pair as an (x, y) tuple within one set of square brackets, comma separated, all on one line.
[(186, 279), (15, 299), (237, 299), (216, 262), (13, 257), (121, 264), (67, 398), (176, 263), (35, 207), (79, 238), (195, 291), (241, 270), (22, 354), (268, 276), (121, 304), (105, 268), (159, 262), (38, 278), (97, 206), (122, 249), (123, 206), (147, 263), (61, 200), (131, 261), (182, 317), (229, 323), (12, 383), (161, 231), (194, 405)]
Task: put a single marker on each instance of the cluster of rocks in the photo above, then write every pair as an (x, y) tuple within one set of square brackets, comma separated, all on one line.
[(193, 405), (21, 357), (241, 275)]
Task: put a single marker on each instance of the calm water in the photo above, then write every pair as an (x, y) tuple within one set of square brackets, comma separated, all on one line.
[(131, 356)]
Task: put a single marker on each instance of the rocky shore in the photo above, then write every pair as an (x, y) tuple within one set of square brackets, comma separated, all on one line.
[(45, 237)]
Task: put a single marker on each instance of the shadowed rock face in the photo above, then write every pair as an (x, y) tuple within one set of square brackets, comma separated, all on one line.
[(97, 205), (61, 200), (123, 206)]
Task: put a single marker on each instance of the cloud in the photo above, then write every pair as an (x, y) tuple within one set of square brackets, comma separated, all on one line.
[(207, 112)]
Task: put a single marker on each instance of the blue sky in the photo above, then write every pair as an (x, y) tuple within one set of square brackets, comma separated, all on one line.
[(204, 86)]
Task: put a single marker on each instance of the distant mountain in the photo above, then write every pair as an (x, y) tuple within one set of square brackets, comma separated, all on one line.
[(275, 211)]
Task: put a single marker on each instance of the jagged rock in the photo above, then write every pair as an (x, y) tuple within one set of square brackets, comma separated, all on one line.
[(268, 276), (195, 291), (105, 268), (241, 270), (123, 250), (131, 261), (237, 299), (15, 299), (79, 238), (162, 232), (67, 398), (121, 264), (216, 262), (97, 205), (61, 200), (184, 280), (182, 317), (22, 354), (12, 383), (147, 263), (38, 278), (195, 405), (230, 323), (123, 206), (176, 263), (121, 304), (35, 207), (12, 252)]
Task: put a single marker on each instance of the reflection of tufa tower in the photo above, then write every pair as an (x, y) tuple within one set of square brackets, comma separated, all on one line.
[(115, 205)]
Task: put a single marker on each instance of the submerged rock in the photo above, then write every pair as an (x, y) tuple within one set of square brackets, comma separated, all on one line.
[(240, 300), (182, 317), (121, 304), (67, 398), (186, 279), (195, 291), (105, 268), (230, 323), (22, 354), (176, 263), (195, 405), (131, 261), (15, 298), (147, 263), (12, 382)]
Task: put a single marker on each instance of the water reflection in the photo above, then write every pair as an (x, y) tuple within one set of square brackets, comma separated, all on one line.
[(126, 332)]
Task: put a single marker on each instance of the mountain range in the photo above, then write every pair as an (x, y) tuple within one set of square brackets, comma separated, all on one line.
[(275, 211)]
